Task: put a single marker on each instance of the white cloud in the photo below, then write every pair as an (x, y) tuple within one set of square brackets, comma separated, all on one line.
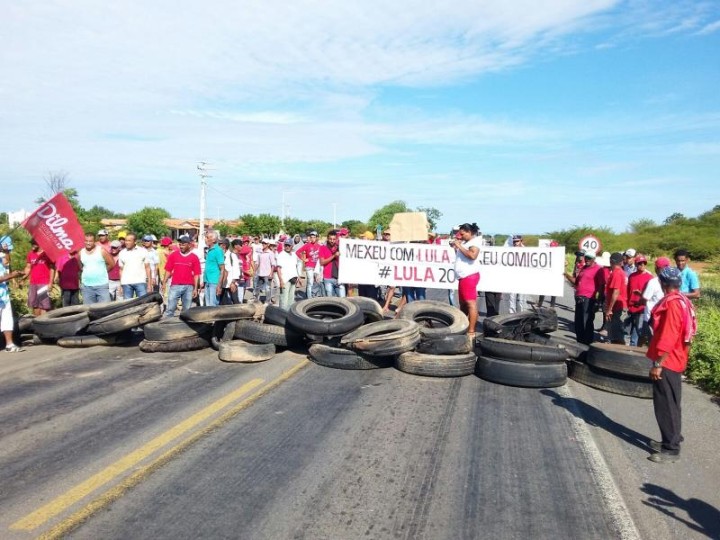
[(709, 28)]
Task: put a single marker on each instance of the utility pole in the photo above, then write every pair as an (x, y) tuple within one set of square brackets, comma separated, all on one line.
[(202, 168)]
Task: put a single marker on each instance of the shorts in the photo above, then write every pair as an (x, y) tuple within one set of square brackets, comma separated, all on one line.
[(39, 297), (467, 288)]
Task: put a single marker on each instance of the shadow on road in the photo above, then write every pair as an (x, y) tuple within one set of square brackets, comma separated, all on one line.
[(595, 417), (706, 518)]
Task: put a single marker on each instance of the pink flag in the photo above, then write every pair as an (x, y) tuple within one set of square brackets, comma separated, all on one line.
[(55, 227)]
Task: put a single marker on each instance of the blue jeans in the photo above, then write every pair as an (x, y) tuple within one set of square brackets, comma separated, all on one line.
[(637, 322), (134, 289), (413, 294), (211, 298), (312, 288), (178, 292), (333, 288), (95, 294)]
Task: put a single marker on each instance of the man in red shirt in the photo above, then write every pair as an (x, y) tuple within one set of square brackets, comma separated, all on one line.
[(588, 284), (182, 270), (68, 278), (42, 276), (674, 325), (616, 299), (636, 304), (309, 254), (330, 261)]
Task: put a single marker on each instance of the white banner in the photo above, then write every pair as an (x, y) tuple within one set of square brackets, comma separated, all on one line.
[(525, 270)]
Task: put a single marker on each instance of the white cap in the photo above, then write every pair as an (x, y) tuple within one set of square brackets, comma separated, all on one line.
[(590, 253), (630, 252)]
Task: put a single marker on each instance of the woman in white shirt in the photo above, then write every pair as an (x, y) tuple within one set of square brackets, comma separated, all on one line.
[(467, 268)]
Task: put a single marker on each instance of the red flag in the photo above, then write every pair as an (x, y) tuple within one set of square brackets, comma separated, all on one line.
[(55, 227)]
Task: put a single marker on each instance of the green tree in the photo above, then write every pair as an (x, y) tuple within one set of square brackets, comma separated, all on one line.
[(260, 225), (322, 227), (355, 226), (642, 225), (149, 220), (383, 216), (222, 227), (433, 215), (3, 218), (677, 217)]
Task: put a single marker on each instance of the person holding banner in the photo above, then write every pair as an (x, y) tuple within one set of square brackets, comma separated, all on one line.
[(467, 269), (42, 277)]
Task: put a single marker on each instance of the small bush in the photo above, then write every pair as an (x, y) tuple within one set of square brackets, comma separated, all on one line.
[(704, 362)]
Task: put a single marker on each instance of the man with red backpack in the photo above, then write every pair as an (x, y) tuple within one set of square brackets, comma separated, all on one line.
[(674, 325)]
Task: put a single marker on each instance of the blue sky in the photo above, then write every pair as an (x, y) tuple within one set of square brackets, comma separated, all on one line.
[(522, 119)]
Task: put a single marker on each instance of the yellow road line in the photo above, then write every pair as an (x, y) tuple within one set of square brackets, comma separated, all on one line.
[(82, 490)]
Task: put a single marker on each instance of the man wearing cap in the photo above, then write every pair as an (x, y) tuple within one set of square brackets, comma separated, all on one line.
[(637, 282), (287, 271), (690, 286), (652, 294), (330, 261), (121, 238), (42, 276), (103, 240), (588, 283), (214, 265), (309, 254), (265, 270), (163, 251), (114, 272), (153, 259), (95, 263), (628, 264), (674, 326), (615, 299), (135, 276), (182, 271)]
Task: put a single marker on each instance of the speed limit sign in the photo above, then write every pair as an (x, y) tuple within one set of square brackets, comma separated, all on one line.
[(590, 242)]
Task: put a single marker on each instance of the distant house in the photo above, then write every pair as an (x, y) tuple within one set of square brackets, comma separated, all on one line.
[(177, 227), (15, 218)]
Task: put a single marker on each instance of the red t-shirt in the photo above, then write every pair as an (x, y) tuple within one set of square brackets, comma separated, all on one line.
[(326, 252), (617, 280), (586, 283), (312, 252), (39, 268), (245, 255), (668, 330), (69, 272), (635, 288), (183, 268)]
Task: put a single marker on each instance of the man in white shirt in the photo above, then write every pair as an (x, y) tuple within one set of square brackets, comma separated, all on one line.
[(230, 275), (135, 276), (651, 295), (287, 271)]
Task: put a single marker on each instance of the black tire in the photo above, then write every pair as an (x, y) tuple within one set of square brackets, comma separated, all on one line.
[(231, 312), (620, 359), (372, 311), (257, 332), (152, 314), (520, 351), (523, 374), (25, 324), (452, 344), (174, 328), (609, 382), (103, 309), (384, 338), (195, 343), (436, 365), (328, 316), (63, 322), (223, 331), (242, 351), (78, 342), (435, 318), (275, 315), (576, 350), (513, 325), (339, 358), (119, 321)]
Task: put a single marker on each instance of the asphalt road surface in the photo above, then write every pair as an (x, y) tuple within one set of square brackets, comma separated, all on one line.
[(115, 443)]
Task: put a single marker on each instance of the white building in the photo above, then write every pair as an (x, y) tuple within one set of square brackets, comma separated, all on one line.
[(15, 218)]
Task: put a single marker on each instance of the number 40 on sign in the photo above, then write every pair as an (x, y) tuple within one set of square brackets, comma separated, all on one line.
[(590, 242)]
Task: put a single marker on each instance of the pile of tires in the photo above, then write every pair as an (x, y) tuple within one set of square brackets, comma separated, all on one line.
[(107, 323), (519, 326), (618, 369), (518, 363)]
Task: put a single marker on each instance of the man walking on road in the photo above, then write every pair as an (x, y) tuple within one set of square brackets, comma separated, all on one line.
[(674, 325)]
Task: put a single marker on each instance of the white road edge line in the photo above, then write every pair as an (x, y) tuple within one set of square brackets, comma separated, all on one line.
[(609, 491)]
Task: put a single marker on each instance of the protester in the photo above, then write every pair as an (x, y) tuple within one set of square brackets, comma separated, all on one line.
[(264, 271), (467, 270), (287, 265), (231, 272), (330, 261), (587, 283), (182, 271), (244, 252), (42, 276), (95, 263), (674, 325), (68, 278), (122, 235), (116, 292), (7, 322), (690, 281), (309, 254), (103, 241), (615, 299), (628, 261), (165, 249), (214, 264), (651, 296), (637, 282), (517, 302), (152, 258), (135, 274)]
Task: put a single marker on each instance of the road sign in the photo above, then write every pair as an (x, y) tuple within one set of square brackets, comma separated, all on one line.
[(590, 242)]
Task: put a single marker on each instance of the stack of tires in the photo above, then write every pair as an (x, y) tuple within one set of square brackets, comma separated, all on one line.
[(518, 363), (107, 323), (619, 369)]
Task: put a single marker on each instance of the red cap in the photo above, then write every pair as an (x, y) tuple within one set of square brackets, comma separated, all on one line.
[(661, 262), (640, 259), (165, 241), (246, 238)]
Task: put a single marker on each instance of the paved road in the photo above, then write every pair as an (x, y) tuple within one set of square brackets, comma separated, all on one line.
[(114, 443)]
